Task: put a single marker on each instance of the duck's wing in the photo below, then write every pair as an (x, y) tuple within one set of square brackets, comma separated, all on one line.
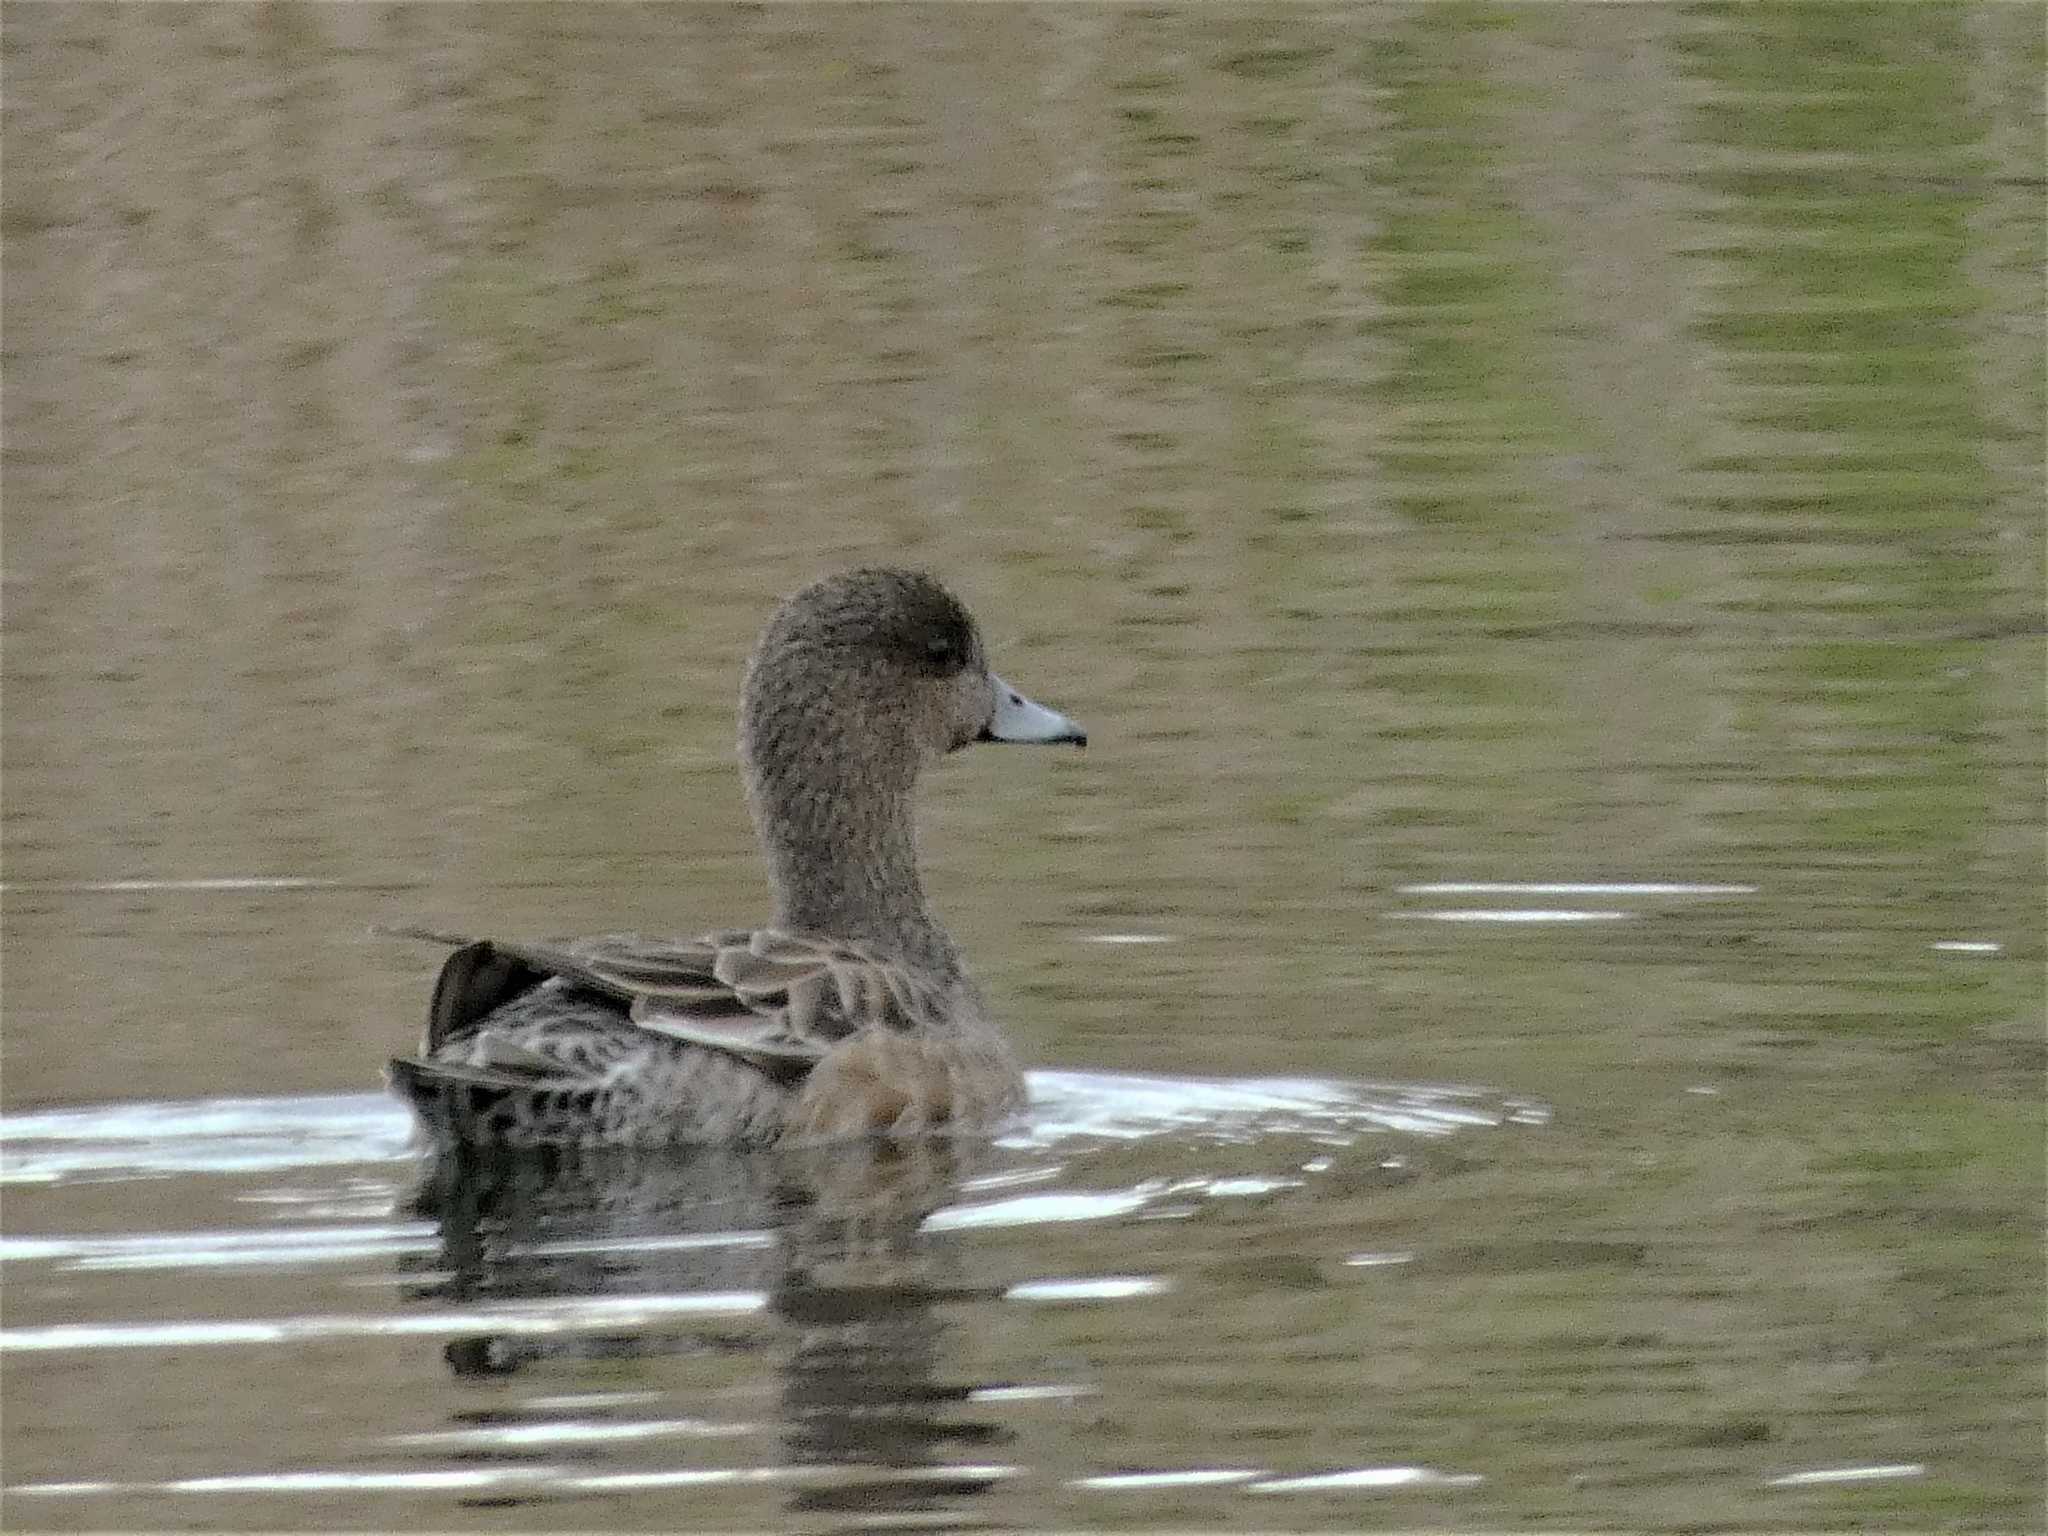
[(775, 999), (779, 999)]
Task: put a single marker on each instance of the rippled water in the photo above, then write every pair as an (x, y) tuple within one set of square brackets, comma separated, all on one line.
[(1537, 981), (762, 1330)]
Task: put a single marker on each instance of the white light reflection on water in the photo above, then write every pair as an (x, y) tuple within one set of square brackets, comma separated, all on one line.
[(1095, 1288), (320, 1130), (290, 1246), (1097, 1205), (1378, 1260), (553, 1479), (215, 1250), (203, 883), (570, 1432), (1243, 1188), (1633, 888), (1129, 1106), (1513, 915), (1371, 1477), (325, 1482), (1572, 888), (1036, 1210), (559, 1315), (204, 1136), (1824, 1475), (831, 1476), (675, 1242), (1052, 1392), (1012, 1178), (1196, 1477)]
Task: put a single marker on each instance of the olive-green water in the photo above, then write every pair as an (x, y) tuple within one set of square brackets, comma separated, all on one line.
[(1536, 981)]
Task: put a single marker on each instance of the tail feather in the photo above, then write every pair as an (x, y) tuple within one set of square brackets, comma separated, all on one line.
[(421, 1080), (476, 979), (425, 935)]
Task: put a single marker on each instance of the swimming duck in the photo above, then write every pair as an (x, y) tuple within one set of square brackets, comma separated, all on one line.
[(851, 1012)]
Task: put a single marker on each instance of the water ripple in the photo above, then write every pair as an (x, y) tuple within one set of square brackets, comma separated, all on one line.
[(542, 1316), (120, 1140)]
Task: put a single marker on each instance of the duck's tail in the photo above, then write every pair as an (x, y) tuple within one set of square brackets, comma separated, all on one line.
[(425, 935)]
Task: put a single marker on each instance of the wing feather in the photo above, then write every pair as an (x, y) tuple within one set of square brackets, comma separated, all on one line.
[(776, 999)]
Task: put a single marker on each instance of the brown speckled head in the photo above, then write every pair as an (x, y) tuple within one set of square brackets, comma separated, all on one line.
[(885, 664), (858, 683)]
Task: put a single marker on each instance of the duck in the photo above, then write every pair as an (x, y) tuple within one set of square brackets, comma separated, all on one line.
[(851, 1012)]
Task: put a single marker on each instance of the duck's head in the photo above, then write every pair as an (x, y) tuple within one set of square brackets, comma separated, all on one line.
[(874, 673)]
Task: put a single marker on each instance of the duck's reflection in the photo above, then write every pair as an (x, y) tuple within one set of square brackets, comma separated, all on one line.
[(832, 1244)]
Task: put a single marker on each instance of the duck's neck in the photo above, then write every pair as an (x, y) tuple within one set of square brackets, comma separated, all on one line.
[(842, 860)]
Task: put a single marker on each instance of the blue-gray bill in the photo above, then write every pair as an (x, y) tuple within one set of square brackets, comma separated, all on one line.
[(1019, 719)]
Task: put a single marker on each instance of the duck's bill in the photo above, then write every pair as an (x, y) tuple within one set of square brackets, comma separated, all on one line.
[(1019, 719)]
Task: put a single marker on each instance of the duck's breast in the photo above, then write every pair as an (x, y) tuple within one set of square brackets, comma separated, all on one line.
[(902, 1083)]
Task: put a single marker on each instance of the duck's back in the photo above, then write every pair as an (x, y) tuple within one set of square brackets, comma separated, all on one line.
[(559, 1065)]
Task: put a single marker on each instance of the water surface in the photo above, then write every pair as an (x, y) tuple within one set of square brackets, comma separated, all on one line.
[(1537, 977)]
